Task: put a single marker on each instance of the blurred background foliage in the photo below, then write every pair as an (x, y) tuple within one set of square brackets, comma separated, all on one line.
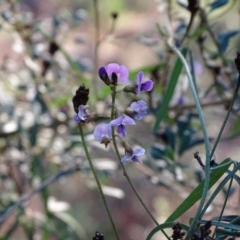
[(48, 49)]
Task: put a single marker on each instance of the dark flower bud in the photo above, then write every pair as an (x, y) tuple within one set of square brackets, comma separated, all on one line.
[(212, 163), (130, 88), (104, 76), (237, 62), (196, 156), (177, 231), (80, 98), (53, 48), (114, 78), (98, 236), (208, 224), (193, 6), (114, 15)]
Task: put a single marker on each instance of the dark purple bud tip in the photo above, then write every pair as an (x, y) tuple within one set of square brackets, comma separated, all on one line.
[(103, 75), (114, 78)]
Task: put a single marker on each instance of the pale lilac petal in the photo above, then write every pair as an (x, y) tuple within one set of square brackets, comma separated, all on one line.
[(117, 121), (134, 106), (121, 130), (141, 104), (139, 108), (127, 120), (102, 130), (198, 68), (123, 74), (140, 76), (147, 86), (76, 118), (112, 67), (126, 158), (134, 156), (138, 152)]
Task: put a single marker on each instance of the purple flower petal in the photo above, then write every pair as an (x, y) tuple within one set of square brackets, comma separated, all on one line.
[(123, 74), (135, 159), (123, 119), (112, 67), (139, 108), (126, 158), (102, 130), (76, 118), (134, 156), (127, 120), (102, 72), (147, 86), (140, 76), (117, 121), (121, 130), (138, 151), (82, 115)]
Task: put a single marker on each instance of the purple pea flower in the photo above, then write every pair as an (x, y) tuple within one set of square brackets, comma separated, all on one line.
[(113, 70), (82, 115), (120, 122), (133, 155), (103, 133), (145, 86), (139, 109)]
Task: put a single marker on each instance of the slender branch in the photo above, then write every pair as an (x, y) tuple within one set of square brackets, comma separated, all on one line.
[(205, 20), (97, 41), (193, 14), (69, 169), (206, 139), (226, 118), (224, 205), (97, 180)]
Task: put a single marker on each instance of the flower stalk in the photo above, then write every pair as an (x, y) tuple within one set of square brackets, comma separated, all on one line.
[(97, 180), (122, 165)]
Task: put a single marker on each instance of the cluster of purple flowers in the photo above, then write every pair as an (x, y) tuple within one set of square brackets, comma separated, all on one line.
[(113, 74)]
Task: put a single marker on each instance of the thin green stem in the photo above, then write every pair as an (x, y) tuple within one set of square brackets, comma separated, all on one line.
[(97, 180), (206, 139), (224, 205), (97, 42), (226, 118), (122, 165)]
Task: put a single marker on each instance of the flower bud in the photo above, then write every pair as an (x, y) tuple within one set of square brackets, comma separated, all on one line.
[(130, 88), (104, 76), (127, 147)]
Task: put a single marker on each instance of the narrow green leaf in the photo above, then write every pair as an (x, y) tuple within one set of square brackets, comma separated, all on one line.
[(226, 233), (220, 187), (196, 194), (170, 91), (225, 218), (163, 226), (224, 225)]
